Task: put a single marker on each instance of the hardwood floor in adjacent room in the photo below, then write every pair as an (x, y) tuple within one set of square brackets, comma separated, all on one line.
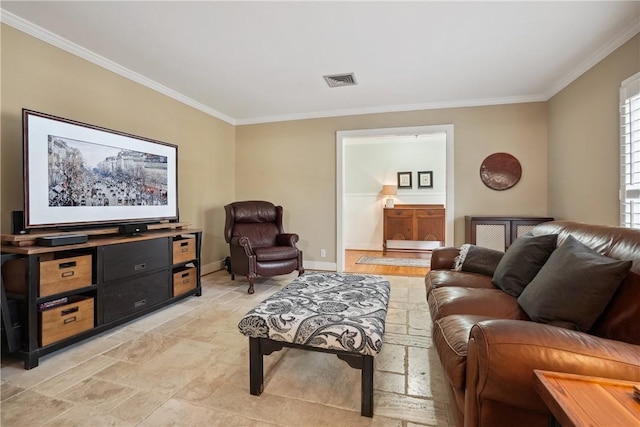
[(352, 256)]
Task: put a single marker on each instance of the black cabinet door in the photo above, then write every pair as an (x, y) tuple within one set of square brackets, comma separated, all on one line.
[(127, 259), (134, 295)]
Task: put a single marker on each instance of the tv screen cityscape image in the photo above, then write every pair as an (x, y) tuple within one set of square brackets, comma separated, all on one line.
[(82, 173)]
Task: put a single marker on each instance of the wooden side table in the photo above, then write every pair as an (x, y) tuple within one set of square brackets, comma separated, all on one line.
[(577, 400)]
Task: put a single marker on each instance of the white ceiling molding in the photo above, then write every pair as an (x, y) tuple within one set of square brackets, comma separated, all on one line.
[(74, 49), (625, 35), (396, 109)]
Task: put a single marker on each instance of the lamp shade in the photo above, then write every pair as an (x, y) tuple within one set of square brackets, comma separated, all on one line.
[(389, 190)]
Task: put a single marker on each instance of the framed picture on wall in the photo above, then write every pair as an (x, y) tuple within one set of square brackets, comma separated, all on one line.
[(404, 180), (425, 179)]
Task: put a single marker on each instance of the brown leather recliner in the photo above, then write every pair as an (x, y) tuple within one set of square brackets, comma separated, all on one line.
[(258, 243)]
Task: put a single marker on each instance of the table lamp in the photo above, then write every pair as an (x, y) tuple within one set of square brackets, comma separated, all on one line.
[(389, 190)]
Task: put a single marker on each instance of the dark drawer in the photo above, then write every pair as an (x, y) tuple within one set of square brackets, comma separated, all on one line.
[(126, 259), (135, 295)]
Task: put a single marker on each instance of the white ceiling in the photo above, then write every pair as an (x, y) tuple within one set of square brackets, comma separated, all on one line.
[(252, 62)]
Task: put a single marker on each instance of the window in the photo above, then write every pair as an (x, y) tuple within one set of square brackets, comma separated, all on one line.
[(630, 152)]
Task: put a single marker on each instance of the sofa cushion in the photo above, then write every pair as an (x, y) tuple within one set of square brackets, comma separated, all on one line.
[(450, 337), (573, 288), (478, 259), (522, 261), (445, 278), (621, 320), (493, 303)]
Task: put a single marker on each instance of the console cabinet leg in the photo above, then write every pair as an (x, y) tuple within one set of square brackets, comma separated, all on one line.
[(31, 361)]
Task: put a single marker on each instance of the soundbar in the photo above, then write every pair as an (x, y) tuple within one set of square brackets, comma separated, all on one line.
[(67, 239)]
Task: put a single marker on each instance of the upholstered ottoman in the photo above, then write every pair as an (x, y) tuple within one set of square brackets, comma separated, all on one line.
[(343, 314)]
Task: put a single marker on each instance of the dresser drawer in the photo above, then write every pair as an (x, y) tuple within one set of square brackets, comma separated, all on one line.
[(405, 213), (184, 250), (64, 274), (425, 213), (127, 259), (184, 280), (66, 320), (135, 295)]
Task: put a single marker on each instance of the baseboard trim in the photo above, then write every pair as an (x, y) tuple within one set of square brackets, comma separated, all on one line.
[(210, 268), (319, 265), (309, 265)]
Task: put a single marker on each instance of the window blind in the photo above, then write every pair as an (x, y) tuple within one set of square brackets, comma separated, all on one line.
[(630, 152)]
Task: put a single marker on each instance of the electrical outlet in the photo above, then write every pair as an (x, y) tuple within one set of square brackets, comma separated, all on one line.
[(323, 253)]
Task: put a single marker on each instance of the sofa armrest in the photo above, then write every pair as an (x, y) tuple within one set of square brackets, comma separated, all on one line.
[(502, 355), (444, 258)]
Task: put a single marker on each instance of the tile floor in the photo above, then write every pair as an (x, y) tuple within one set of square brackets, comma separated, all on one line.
[(187, 365)]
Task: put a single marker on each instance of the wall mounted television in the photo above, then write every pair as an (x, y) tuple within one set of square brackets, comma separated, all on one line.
[(78, 175)]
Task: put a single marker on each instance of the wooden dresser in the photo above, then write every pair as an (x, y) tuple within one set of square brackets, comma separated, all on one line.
[(413, 223)]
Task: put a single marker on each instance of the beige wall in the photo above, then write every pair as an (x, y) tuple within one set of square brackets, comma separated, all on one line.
[(584, 140), (38, 76), (294, 164)]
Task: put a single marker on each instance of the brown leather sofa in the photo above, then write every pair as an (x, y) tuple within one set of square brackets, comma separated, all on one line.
[(489, 346)]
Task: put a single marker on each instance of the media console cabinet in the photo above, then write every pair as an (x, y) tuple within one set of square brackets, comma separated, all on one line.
[(65, 294)]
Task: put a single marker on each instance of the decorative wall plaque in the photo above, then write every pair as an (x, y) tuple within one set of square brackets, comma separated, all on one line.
[(500, 171)]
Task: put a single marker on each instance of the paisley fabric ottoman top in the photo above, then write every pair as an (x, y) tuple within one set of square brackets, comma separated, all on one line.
[(335, 311)]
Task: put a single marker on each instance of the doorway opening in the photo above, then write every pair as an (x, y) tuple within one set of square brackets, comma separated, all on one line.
[(373, 181)]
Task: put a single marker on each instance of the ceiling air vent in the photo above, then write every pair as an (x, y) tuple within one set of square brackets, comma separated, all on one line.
[(337, 80)]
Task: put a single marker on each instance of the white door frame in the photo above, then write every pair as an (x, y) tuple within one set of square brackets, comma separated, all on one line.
[(401, 131)]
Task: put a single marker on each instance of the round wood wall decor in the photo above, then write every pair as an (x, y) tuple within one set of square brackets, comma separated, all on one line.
[(500, 171)]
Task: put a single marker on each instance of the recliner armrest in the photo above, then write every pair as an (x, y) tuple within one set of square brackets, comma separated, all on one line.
[(444, 258), (243, 242), (502, 354), (287, 239)]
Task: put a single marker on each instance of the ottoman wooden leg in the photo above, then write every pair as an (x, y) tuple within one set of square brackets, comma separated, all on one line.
[(255, 367), (366, 404)]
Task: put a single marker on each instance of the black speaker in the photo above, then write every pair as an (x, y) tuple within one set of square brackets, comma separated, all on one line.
[(132, 228), (17, 222), (67, 239)]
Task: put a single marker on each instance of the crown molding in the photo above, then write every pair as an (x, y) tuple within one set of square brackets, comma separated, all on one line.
[(48, 37), (395, 109), (77, 50), (625, 35)]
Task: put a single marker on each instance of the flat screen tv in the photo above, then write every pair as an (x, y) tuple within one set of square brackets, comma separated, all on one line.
[(79, 175)]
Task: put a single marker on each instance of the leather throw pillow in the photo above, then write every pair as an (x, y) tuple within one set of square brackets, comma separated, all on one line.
[(574, 287), (522, 261)]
